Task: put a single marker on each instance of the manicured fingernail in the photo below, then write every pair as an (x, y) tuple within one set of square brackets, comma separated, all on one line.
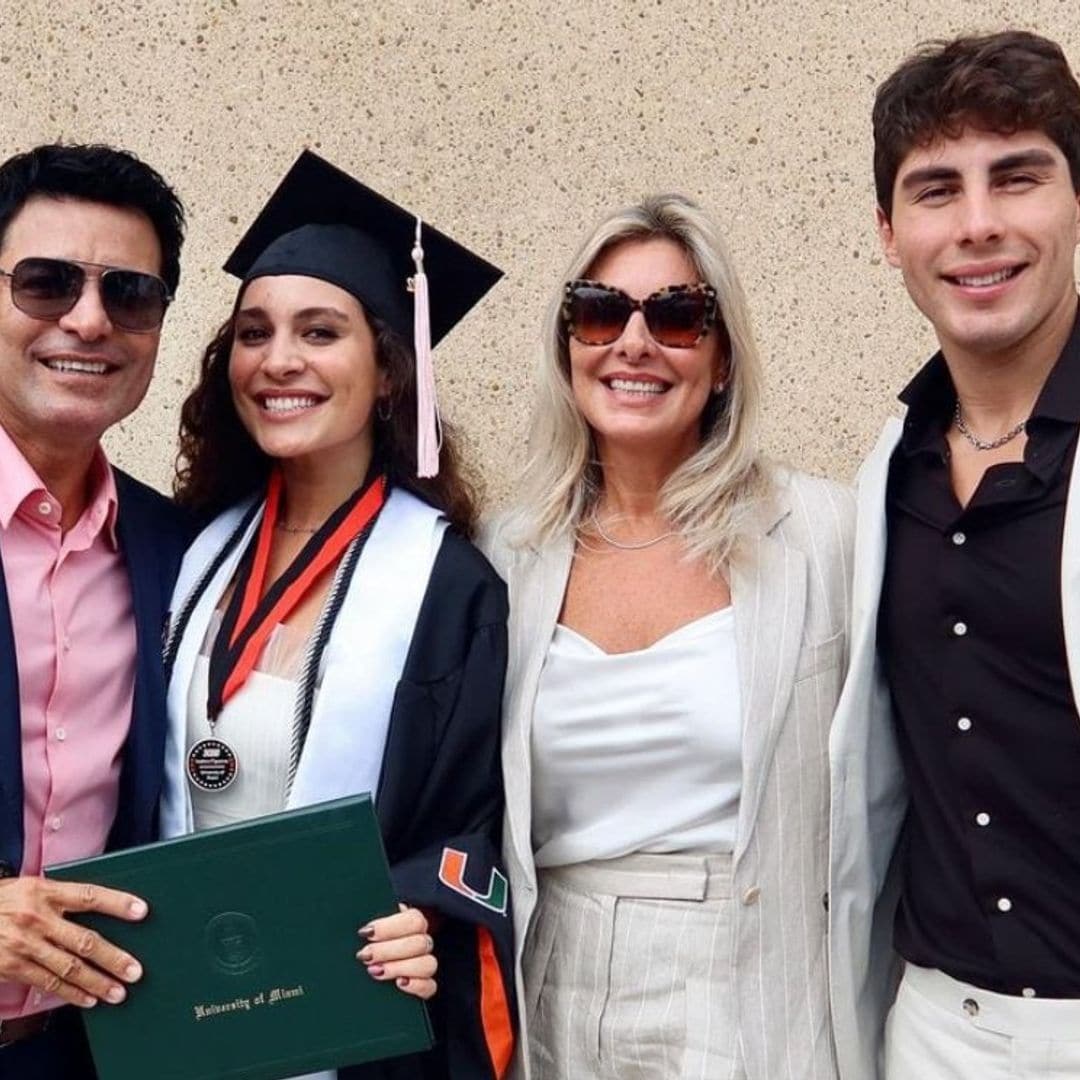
[(367, 931), (88, 1002), (116, 994), (375, 971), (138, 908), (402, 982), (364, 955), (133, 971)]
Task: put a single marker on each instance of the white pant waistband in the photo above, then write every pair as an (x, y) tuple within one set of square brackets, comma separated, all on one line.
[(649, 877), (1027, 1017)]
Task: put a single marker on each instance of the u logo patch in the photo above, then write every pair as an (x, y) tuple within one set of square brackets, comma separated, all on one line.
[(452, 875)]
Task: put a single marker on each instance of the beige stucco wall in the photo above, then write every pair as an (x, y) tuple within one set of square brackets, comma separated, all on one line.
[(512, 124)]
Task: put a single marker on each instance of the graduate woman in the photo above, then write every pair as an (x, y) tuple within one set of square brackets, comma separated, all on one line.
[(333, 630), (679, 614)]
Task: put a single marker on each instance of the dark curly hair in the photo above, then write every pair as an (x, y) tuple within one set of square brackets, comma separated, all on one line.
[(219, 463), (1005, 82)]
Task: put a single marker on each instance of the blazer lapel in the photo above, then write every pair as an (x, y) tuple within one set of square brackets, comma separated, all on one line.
[(853, 720), (768, 591), (144, 751), (11, 781), (537, 584), (870, 538), (1070, 581)]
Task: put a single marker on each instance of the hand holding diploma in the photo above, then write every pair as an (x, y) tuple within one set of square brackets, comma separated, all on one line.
[(42, 949), (399, 947)]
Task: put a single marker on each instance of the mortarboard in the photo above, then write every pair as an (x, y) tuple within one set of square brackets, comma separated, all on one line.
[(322, 223)]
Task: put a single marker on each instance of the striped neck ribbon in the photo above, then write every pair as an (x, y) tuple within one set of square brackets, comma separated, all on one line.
[(252, 614)]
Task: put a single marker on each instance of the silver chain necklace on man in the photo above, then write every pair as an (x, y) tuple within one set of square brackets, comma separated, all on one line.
[(979, 444)]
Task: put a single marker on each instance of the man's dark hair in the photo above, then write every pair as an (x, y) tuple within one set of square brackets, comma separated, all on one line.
[(100, 174), (1003, 83)]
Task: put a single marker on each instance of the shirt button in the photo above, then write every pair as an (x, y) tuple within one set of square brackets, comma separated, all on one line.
[(750, 897), (958, 538), (982, 819), (66, 643), (1028, 991), (38, 995), (959, 629), (61, 734), (964, 723), (44, 508), (56, 823), (1004, 904), (971, 1007)]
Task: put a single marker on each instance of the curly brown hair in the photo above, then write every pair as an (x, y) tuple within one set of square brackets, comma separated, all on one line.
[(1005, 82), (219, 463)]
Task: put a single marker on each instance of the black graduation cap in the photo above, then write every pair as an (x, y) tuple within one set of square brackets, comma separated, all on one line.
[(322, 223)]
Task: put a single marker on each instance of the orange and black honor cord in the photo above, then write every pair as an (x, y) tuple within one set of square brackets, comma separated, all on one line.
[(251, 617)]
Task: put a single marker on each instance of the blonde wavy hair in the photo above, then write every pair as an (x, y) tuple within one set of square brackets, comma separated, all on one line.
[(710, 496)]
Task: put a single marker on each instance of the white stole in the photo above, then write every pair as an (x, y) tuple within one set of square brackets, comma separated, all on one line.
[(365, 654)]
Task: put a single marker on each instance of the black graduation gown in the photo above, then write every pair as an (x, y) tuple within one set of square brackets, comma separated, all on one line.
[(440, 788), (440, 800)]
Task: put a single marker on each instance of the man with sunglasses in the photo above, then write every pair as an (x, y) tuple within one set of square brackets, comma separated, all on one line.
[(956, 744), (90, 241)]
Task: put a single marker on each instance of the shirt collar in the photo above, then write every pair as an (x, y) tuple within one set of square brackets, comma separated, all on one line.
[(19, 482), (931, 396)]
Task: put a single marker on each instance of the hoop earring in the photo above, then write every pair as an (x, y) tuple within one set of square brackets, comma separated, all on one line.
[(384, 409)]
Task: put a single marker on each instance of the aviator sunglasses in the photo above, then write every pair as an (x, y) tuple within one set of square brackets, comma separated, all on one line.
[(49, 288), (677, 316)]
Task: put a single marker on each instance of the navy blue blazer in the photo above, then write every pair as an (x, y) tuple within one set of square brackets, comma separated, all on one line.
[(152, 534)]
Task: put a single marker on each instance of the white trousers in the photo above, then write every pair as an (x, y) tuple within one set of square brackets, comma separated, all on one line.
[(627, 971), (942, 1029)]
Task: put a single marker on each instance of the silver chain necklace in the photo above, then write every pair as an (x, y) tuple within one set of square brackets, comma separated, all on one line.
[(639, 545), (979, 444)]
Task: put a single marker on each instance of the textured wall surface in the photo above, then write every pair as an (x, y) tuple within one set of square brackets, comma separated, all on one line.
[(513, 125)]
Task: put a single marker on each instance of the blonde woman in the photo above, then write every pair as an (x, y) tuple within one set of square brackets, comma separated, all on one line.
[(678, 634)]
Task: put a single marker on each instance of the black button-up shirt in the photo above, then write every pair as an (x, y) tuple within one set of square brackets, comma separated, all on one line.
[(971, 637)]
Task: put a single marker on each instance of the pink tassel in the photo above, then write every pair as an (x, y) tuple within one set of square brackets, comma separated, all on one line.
[(428, 422)]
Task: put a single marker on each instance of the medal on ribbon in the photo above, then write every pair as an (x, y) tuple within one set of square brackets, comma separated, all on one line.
[(252, 615)]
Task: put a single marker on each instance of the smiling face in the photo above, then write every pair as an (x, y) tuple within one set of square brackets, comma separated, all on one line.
[(634, 393), (64, 382), (983, 228), (304, 374)]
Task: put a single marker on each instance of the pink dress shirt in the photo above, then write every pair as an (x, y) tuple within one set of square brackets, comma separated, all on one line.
[(71, 613)]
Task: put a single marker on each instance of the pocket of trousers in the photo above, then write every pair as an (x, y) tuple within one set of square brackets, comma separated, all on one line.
[(536, 955)]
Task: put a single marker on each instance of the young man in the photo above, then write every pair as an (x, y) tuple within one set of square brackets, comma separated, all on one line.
[(89, 255), (956, 746)]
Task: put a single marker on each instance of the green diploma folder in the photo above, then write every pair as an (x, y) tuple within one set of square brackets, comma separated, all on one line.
[(249, 951)]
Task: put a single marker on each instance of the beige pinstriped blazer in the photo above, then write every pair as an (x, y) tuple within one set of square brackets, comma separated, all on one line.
[(791, 602)]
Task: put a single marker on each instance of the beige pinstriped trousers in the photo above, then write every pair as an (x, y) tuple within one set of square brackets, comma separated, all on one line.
[(941, 1029), (627, 969)]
